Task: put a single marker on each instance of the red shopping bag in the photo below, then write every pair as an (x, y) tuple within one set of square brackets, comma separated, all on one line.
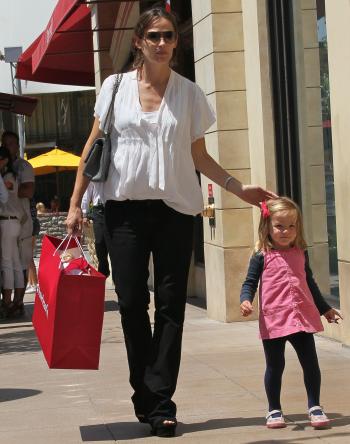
[(68, 308)]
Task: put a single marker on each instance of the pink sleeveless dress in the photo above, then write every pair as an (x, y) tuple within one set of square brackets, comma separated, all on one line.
[(286, 305)]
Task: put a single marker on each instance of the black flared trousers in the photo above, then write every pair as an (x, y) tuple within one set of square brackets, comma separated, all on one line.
[(135, 229)]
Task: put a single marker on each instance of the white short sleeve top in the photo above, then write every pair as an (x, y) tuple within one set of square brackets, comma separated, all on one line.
[(151, 152), (13, 205), (24, 174)]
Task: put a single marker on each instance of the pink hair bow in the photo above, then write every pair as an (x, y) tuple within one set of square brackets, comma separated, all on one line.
[(265, 212)]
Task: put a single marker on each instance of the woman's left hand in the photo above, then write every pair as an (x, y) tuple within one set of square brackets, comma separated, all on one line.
[(332, 315), (254, 194)]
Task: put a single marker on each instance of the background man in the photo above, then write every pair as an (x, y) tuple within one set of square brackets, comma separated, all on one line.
[(26, 185)]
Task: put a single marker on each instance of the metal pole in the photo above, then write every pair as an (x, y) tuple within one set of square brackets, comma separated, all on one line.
[(12, 79), (17, 89), (20, 122)]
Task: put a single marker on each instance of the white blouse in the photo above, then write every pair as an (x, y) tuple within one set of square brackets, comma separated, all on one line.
[(151, 152)]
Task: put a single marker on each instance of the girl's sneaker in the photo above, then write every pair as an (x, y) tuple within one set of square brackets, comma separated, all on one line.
[(318, 418), (275, 420)]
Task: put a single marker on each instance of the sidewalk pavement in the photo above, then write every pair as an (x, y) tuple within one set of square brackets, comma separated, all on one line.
[(220, 393)]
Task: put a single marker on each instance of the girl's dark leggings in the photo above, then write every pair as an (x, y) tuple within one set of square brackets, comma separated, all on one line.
[(304, 345)]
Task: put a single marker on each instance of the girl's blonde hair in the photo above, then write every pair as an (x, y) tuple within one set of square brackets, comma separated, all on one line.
[(271, 207)]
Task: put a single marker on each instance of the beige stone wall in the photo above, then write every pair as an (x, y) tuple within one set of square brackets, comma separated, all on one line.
[(259, 99), (102, 61), (127, 17), (338, 32), (112, 48), (240, 140), (219, 65)]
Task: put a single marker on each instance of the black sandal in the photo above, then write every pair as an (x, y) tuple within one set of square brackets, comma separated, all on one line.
[(162, 430), (17, 310), (5, 309)]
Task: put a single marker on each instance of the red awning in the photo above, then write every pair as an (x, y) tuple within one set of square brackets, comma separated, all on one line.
[(63, 53), (18, 104)]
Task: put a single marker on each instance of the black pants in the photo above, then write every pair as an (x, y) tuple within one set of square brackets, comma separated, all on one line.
[(98, 217), (304, 345), (136, 229)]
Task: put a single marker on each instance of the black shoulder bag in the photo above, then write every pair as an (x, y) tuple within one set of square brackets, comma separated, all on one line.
[(99, 157)]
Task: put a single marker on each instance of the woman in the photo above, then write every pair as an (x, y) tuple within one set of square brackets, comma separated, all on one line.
[(11, 217), (152, 194)]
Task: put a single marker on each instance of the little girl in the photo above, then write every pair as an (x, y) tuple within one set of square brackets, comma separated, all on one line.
[(290, 305)]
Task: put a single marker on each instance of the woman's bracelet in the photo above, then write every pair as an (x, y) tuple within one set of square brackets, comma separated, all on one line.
[(227, 181)]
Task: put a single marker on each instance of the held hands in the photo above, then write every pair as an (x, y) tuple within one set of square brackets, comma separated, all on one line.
[(332, 315), (246, 308), (74, 221)]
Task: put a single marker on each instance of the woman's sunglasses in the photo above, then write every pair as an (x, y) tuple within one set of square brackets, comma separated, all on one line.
[(156, 36)]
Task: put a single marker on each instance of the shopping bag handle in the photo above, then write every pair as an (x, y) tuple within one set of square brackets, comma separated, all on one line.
[(70, 236)]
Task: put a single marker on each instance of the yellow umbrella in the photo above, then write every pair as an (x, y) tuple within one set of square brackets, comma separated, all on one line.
[(54, 161)]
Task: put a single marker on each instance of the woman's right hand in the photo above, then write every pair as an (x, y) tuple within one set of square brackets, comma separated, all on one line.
[(74, 221)]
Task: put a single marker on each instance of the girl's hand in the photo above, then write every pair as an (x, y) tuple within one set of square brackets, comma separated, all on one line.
[(246, 308), (74, 221), (255, 195), (332, 315)]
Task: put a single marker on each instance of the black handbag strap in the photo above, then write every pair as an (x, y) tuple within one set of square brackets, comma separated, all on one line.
[(108, 121)]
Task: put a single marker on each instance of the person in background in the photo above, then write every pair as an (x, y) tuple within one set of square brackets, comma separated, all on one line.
[(93, 208), (40, 208), (11, 217), (4, 194), (55, 205), (32, 273), (26, 183)]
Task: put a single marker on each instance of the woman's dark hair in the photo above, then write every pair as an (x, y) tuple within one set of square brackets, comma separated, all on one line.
[(145, 21), (5, 154)]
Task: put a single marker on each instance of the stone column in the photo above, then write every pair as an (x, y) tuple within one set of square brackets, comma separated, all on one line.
[(237, 140), (338, 33)]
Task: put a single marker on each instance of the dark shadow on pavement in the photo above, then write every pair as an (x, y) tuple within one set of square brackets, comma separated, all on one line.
[(114, 431), (25, 319), (197, 301), (111, 306), (19, 342), (121, 431), (11, 394)]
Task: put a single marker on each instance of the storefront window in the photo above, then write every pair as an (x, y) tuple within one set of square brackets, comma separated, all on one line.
[(328, 153)]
